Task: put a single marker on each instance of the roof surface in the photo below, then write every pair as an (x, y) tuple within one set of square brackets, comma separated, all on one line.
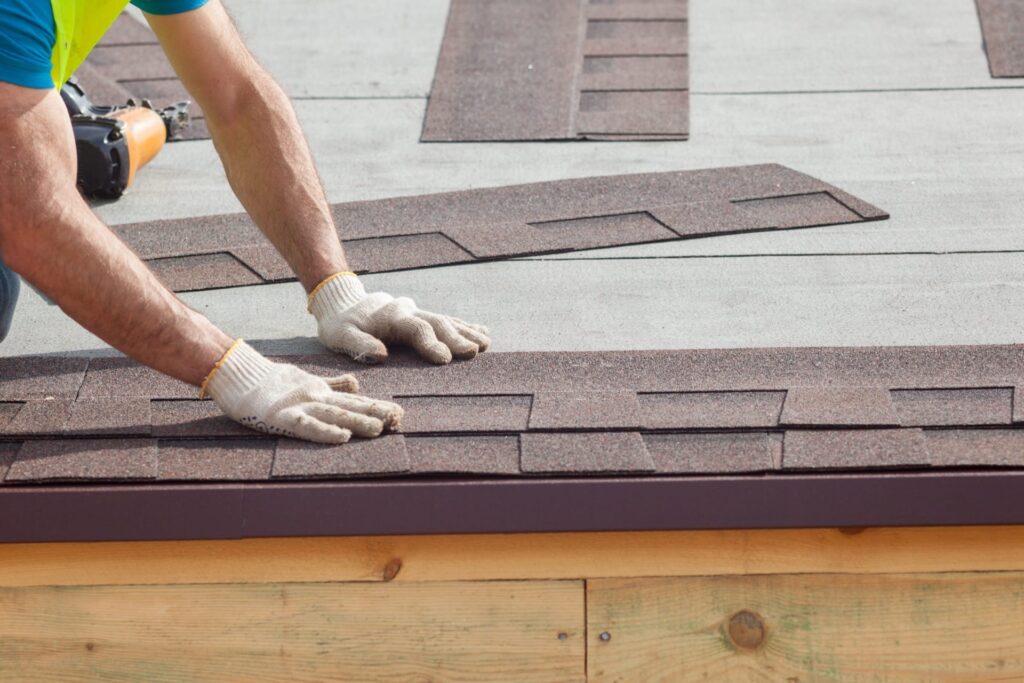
[(893, 102), (771, 414)]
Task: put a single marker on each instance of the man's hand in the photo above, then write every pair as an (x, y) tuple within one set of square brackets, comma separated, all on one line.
[(355, 323), (276, 398)]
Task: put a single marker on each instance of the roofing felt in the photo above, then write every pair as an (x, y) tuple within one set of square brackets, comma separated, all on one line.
[(501, 222), (1002, 25), (561, 69), (822, 428), (129, 63)]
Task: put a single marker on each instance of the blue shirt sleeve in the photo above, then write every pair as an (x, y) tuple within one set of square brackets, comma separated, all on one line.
[(27, 35), (168, 6)]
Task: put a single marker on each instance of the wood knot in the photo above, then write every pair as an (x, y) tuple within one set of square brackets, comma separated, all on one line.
[(746, 630), (391, 569)]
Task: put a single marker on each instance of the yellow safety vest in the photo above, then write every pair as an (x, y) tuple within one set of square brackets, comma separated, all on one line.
[(80, 25)]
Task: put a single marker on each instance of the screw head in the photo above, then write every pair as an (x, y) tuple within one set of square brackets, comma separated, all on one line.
[(605, 636)]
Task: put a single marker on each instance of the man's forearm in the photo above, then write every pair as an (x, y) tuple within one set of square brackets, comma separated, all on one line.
[(49, 235), (270, 168), (100, 283)]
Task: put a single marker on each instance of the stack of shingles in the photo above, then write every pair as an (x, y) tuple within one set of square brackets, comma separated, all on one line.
[(634, 81), (129, 63), (521, 414), (561, 70)]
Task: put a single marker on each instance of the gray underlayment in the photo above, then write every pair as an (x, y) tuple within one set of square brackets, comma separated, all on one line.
[(890, 101)]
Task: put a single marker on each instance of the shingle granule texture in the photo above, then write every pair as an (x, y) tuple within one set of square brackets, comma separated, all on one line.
[(1002, 26), (501, 222), (634, 414), (513, 70)]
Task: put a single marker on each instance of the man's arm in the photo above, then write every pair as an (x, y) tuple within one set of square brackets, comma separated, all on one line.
[(49, 235), (257, 135), (270, 168), (51, 238)]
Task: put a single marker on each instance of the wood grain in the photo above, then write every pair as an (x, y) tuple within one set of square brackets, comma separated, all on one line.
[(799, 629), (517, 556), (464, 631)]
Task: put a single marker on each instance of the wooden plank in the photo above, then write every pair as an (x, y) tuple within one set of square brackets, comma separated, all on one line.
[(467, 631), (516, 556), (855, 629)]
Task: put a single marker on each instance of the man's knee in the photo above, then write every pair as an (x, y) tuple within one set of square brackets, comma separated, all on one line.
[(10, 284)]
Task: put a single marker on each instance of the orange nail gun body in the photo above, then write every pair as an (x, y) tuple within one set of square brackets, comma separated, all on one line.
[(114, 142)]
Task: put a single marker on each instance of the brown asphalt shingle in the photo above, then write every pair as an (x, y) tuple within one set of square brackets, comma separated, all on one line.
[(358, 457), (501, 222), (949, 407), (482, 413), (839, 406), (1002, 24), (214, 460), (561, 70), (712, 452), (39, 417), (512, 414), (854, 449), (584, 453), (494, 455), (84, 460)]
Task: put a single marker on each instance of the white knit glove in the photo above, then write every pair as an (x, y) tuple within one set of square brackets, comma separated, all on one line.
[(276, 398), (353, 322)]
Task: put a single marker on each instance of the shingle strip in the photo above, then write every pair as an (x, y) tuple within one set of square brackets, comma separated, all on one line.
[(636, 9), (215, 460), (711, 409), (975, 447), (839, 406), (593, 413), (862, 449), (39, 418), (124, 378), (537, 70), (586, 410), (942, 407), (467, 413), (625, 37), (24, 378), (505, 72), (714, 452), (634, 73), (359, 457), (1002, 23), (458, 227), (587, 453), (84, 460), (193, 418), (494, 455), (110, 416)]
